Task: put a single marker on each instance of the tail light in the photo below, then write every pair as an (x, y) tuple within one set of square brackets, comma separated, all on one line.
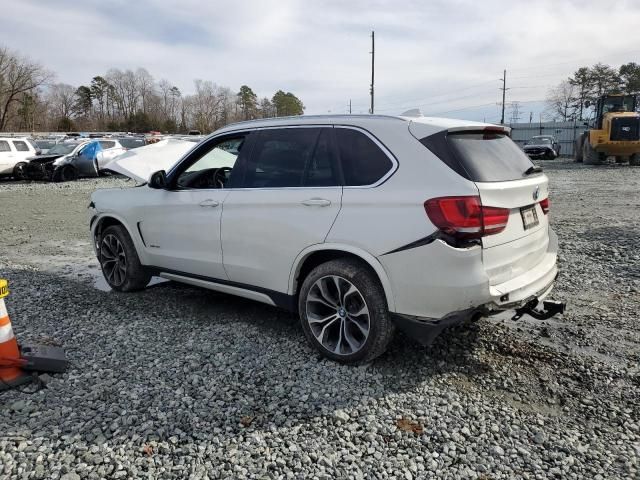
[(466, 217), (545, 205)]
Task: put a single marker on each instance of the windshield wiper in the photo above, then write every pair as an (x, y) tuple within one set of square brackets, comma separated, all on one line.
[(533, 169)]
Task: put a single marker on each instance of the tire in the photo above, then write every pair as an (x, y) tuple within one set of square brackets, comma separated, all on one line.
[(634, 160), (589, 155), (119, 261), (368, 295), (66, 173), (19, 171), (578, 149)]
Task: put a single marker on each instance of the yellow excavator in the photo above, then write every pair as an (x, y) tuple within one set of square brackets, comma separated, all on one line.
[(614, 132)]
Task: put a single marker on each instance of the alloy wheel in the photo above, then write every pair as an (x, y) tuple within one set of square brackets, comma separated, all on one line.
[(114, 260), (338, 315)]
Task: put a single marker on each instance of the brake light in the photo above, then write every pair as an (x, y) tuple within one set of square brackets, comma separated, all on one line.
[(545, 205), (466, 217)]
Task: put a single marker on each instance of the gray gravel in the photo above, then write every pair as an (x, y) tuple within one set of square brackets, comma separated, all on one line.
[(178, 382)]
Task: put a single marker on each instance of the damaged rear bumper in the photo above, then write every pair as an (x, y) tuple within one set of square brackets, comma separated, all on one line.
[(426, 330)]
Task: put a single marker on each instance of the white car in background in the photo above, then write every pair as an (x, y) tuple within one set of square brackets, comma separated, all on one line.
[(360, 224), (111, 148), (14, 152)]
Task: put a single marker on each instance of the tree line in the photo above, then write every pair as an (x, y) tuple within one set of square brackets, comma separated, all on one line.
[(566, 101), (124, 100)]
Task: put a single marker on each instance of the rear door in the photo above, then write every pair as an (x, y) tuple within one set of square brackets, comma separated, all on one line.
[(22, 151), (288, 197), (505, 178)]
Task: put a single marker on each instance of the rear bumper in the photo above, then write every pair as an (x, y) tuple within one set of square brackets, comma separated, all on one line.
[(534, 282), (436, 286), (426, 330)]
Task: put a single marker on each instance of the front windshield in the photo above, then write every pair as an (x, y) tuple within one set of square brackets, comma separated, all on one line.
[(62, 149), (541, 140), (618, 104)]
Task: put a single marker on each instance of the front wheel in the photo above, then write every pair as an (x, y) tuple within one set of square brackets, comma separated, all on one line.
[(119, 261), (66, 173), (343, 311), (589, 155)]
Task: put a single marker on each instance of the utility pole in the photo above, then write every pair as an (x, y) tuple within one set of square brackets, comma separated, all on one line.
[(504, 91), (373, 58), (349, 106), (530, 117)]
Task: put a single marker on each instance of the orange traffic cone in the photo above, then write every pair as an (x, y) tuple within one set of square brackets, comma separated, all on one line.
[(11, 374)]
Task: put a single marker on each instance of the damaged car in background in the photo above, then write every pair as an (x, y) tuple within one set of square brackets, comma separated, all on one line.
[(72, 160), (543, 147)]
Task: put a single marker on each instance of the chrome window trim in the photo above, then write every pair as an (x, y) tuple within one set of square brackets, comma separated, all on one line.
[(379, 144)]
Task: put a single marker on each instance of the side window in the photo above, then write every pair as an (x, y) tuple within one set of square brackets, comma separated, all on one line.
[(363, 163), (280, 157), (213, 167), (322, 170), (107, 144), (20, 146), (4, 146)]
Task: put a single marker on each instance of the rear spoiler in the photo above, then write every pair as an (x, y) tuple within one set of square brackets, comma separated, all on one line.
[(488, 129)]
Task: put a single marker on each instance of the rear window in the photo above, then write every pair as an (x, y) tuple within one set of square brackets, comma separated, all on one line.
[(480, 156), (363, 163), (20, 146)]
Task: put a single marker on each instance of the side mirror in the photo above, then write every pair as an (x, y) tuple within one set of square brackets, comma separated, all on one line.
[(158, 180)]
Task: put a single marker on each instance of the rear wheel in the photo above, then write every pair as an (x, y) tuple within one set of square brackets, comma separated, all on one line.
[(634, 159), (119, 261), (19, 171), (589, 155), (343, 311)]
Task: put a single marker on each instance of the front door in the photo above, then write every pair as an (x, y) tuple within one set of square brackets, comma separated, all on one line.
[(181, 230), (180, 226)]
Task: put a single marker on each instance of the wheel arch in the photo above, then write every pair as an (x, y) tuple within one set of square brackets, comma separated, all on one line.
[(100, 222), (314, 255)]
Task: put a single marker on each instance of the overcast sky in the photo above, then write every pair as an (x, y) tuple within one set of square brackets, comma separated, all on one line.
[(443, 56)]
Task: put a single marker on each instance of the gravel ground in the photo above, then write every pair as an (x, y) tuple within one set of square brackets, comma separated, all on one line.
[(179, 382)]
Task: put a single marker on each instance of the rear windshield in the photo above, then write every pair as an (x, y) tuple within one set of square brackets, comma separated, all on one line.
[(131, 142), (480, 156)]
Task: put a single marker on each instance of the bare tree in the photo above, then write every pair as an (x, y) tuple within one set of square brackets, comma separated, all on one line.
[(209, 107), (146, 87), (18, 76), (125, 89), (561, 101), (61, 100)]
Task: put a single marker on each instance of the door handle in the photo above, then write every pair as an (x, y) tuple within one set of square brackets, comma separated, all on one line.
[(209, 203), (316, 202)]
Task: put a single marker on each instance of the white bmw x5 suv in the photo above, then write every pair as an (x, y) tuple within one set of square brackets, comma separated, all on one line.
[(361, 224)]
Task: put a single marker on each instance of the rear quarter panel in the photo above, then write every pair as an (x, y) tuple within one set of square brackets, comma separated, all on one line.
[(382, 218)]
